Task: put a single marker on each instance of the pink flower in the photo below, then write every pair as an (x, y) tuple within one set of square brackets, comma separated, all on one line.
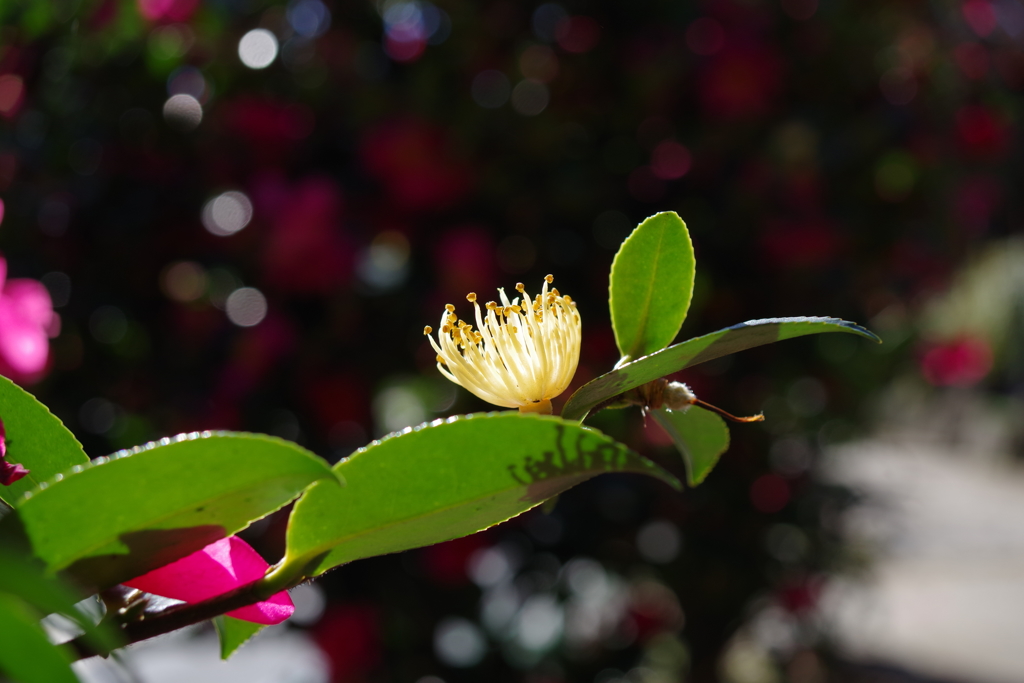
[(26, 321), (418, 164), (216, 569), (961, 362), (167, 10)]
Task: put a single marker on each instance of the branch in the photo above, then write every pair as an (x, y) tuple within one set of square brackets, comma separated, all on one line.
[(180, 616)]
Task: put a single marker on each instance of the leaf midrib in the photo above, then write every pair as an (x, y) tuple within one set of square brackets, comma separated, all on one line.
[(641, 331)]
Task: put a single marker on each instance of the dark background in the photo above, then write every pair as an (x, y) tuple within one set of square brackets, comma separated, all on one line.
[(830, 158)]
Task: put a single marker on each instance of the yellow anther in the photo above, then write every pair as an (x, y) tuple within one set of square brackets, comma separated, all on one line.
[(549, 278), (567, 298), (497, 365), (427, 329)]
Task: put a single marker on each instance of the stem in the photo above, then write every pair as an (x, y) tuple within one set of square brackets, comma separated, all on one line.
[(180, 616), (753, 418)]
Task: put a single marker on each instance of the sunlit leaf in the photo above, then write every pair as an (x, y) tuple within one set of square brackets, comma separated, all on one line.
[(448, 479), (36, 439), (122, 516), (651, 285), (699, 350)]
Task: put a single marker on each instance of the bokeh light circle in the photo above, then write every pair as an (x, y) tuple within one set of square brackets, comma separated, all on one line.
[(246, 307), (227, 213), (258, 48), (183, 112)]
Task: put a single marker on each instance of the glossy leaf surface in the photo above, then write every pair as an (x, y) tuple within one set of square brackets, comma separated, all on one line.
[(651, 285), (36, 439), (122, 516), (447, 479), (700, 435), (699, 350), (27, 656)]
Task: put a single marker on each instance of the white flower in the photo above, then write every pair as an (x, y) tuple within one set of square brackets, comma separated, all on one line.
[(523, 354)]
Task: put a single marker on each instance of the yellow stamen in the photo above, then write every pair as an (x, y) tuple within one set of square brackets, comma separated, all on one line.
[(495, 362)]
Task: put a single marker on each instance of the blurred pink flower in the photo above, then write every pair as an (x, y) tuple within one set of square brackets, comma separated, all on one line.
[(306, 250), (742, 81), (167, 10), (26, 321), (216, 569), (962, 362), (982, 131), (418, 163)]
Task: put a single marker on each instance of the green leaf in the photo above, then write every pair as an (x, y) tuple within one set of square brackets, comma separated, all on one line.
[(140, 509), (27, 656), (700, 435), (23, 578), (651, 285), (447, 479), (234, 633), (699, 350), (36, 439)]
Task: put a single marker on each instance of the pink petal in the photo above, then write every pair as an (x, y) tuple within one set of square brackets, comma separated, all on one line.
[(216, 569), (31, 300), (3, 273), (23, 343), (24, 346), (11, 472)]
